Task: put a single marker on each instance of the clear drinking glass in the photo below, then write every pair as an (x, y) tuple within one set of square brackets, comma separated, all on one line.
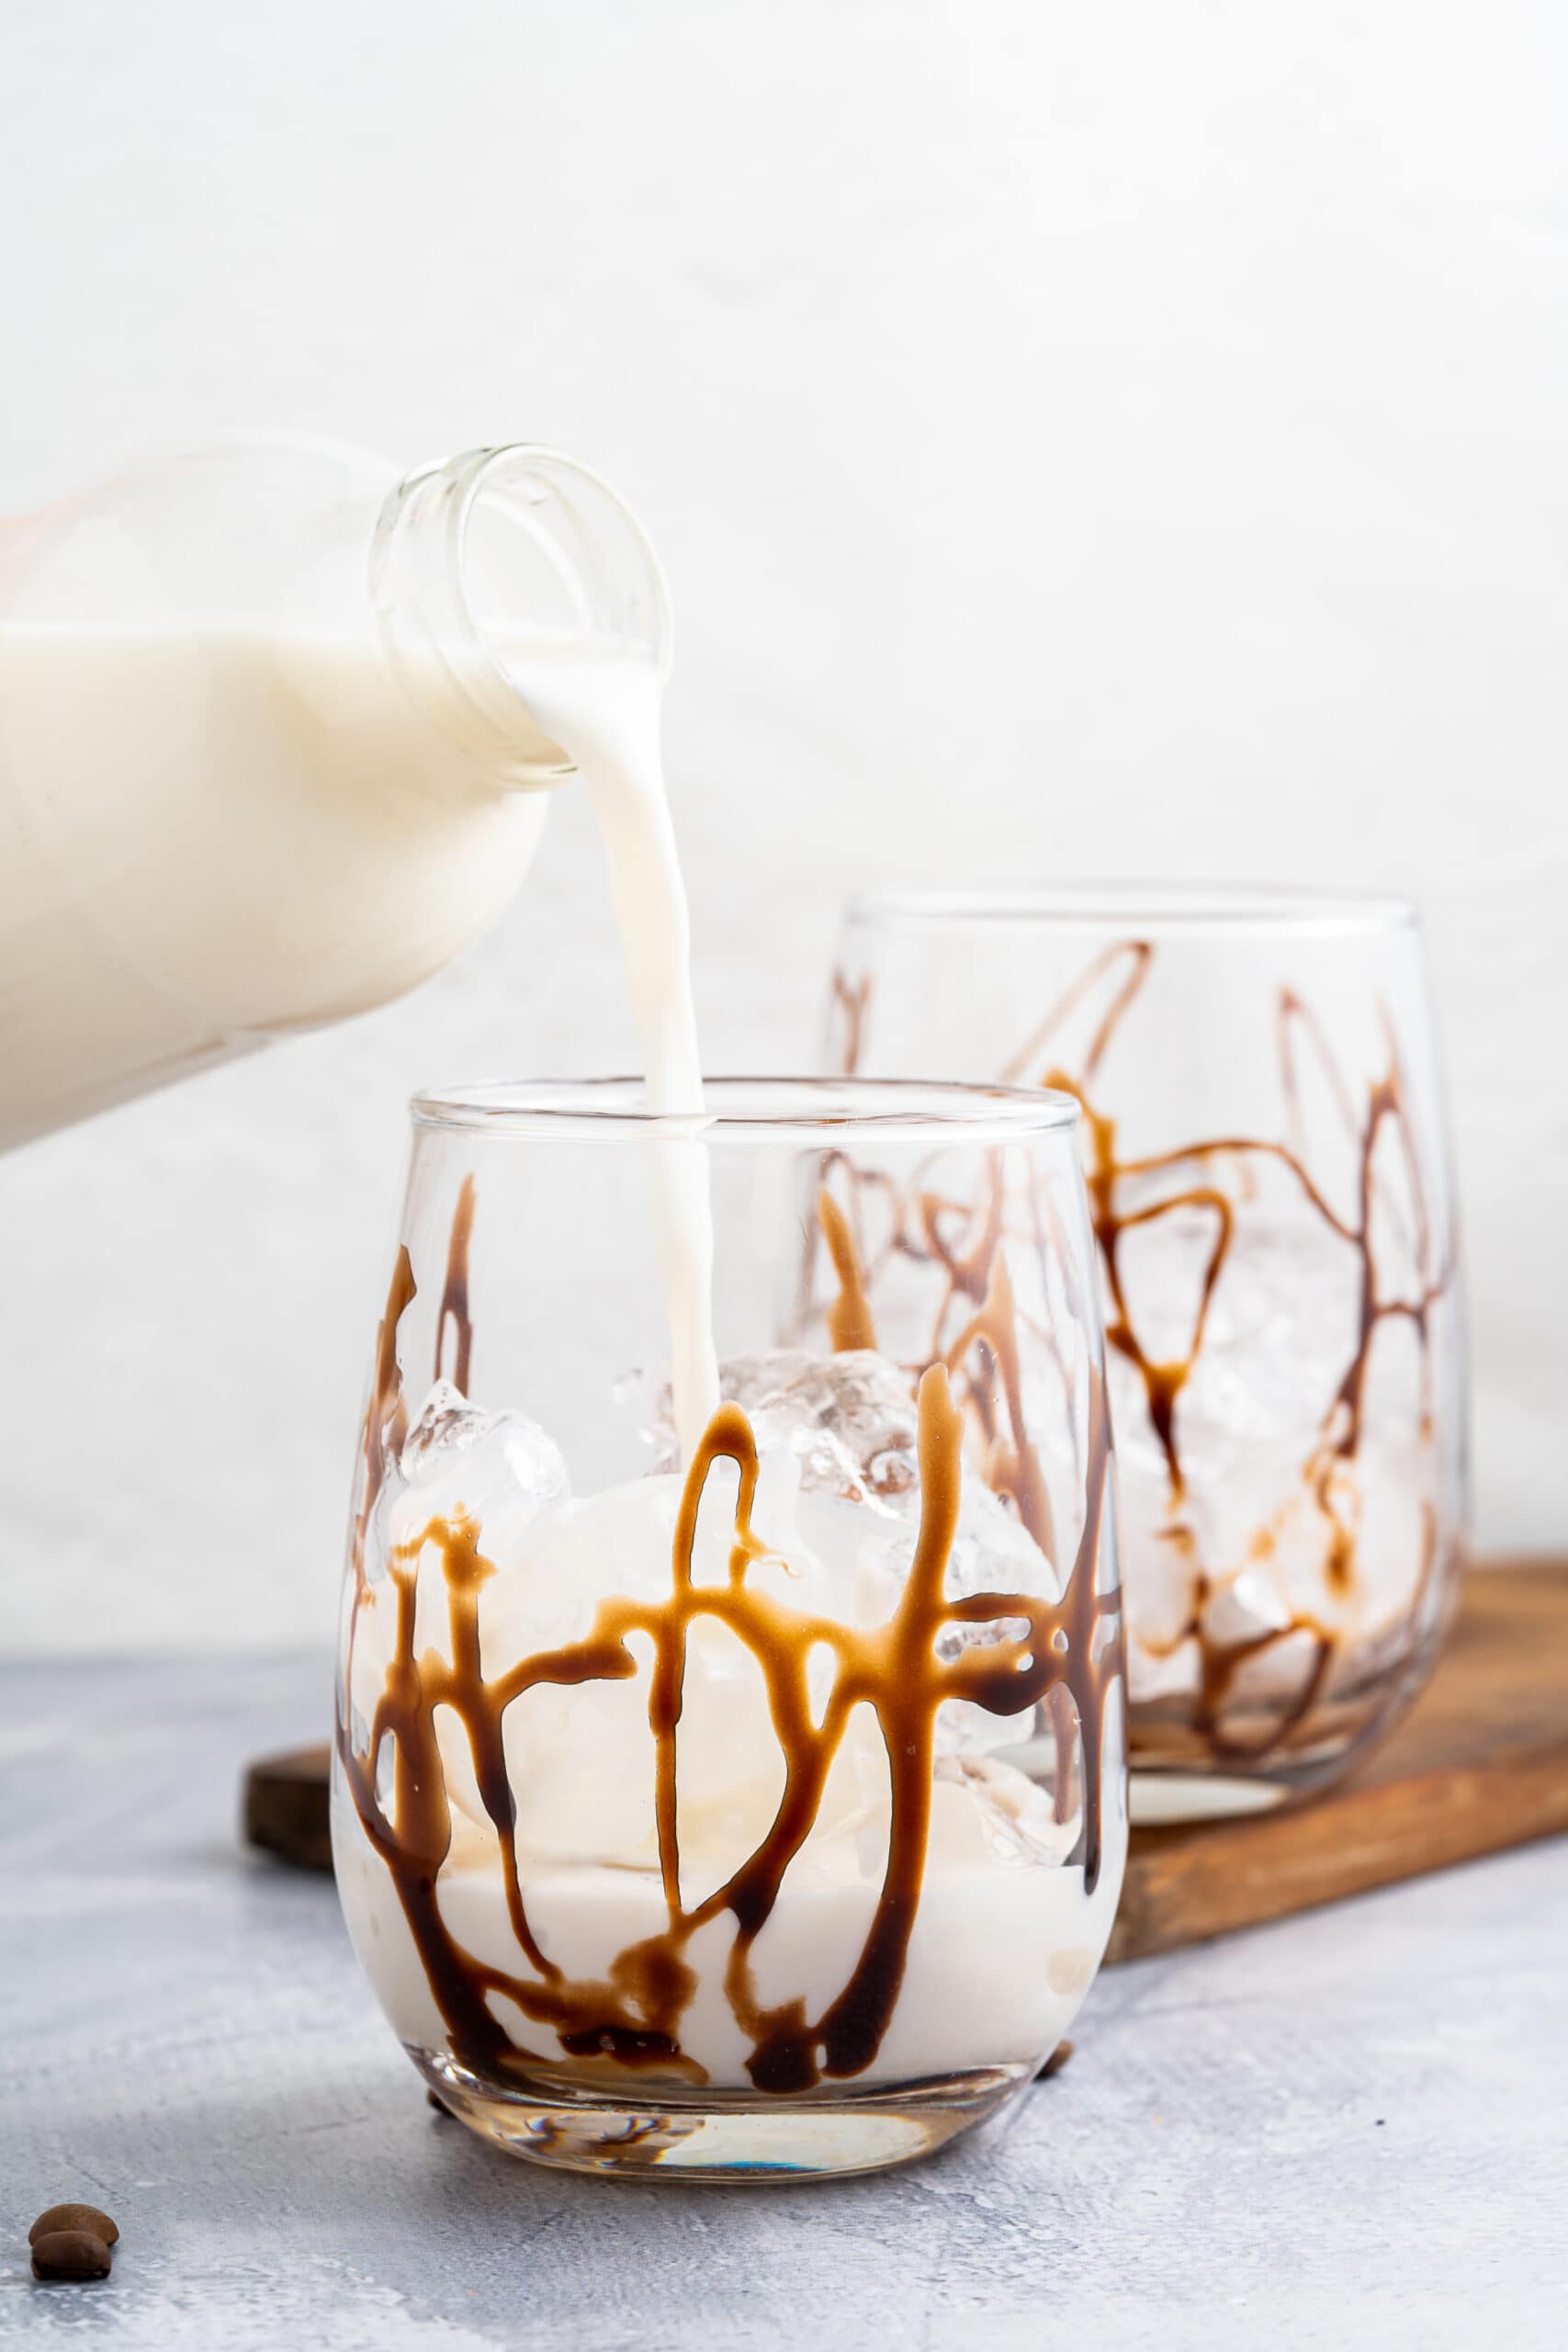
[(1269, 1187), (764, 1815)]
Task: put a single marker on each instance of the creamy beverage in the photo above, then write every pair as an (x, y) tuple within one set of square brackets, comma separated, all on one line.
[(208, 836), (1006, 1937), (603, 706)]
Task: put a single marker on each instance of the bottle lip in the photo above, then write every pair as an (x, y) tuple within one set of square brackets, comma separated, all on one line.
[(478, 470), (421, 594)]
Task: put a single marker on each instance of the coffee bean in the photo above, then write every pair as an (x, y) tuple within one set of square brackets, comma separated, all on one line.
[(431, 2099), (1056, 2061), (70, 2254), (287, 1807), (74, 2217)]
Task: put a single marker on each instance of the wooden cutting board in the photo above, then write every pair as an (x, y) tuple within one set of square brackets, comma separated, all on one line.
[(1481, 1762)]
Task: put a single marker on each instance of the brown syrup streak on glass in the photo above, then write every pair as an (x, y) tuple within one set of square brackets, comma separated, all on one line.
[(1012, 1466), (850, 1322), (849, 1001), (968, 1271), (976, 1279), (386, 1419), (454, 1296), (859, 1183), (631, 2019), (1162, 1382), (1137, 955), (986, 1360)]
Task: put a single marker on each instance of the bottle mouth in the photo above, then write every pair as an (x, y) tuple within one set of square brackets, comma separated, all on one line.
[(486, 556)]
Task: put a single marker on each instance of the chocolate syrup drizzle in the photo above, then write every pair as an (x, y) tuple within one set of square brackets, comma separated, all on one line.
[(1125, 965), (1068, 1651), (455, 1307)]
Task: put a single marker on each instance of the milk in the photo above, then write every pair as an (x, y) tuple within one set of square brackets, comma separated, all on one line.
[(601, 703), (999, 1964), (208, 836), (1007, 1934)]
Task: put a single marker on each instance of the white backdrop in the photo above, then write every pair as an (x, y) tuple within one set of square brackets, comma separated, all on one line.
[(1080, 439)]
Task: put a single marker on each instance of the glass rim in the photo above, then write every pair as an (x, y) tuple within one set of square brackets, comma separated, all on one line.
[(1140, 906), (823, 1111)]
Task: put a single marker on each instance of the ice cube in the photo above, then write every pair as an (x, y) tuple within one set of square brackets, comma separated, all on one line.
[(992, 1552), (847, 1425), (1280, 1335), (461, 1460), (1012, 1818), (850, 1420), (992, 1549), (552, 1575), (580, 1756), (839, 1497), (445, 1421), (1250, 1421), (1245, 1608), (856, 1406)]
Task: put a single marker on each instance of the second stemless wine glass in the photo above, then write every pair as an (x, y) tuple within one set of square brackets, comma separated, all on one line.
[(1270, 1188), (731, 1769)]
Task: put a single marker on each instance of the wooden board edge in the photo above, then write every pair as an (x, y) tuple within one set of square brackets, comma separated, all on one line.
[(286, 1807), (1259, 1871)]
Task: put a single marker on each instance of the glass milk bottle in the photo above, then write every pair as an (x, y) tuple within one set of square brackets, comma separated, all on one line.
[(263, 760)]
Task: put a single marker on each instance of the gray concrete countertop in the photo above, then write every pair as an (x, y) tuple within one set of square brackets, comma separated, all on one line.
[(1348, 2130)]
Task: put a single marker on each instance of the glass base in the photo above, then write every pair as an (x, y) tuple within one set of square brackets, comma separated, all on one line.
[(1159, 1799), (1177, 1774), (727, 2136), (1169, 1783)]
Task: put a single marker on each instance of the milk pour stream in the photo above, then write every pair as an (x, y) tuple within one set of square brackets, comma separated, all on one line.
[(602, 704)]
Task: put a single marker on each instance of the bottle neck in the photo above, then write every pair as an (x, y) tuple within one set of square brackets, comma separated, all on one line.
[(477, 559)]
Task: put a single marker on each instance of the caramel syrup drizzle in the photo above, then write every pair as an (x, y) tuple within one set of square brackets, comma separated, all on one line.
[(917, 1231), (631, 2019), (455, 1295), (851, 1000), (850, 1319)]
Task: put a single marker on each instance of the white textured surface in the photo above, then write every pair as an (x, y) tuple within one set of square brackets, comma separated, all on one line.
[(1078, 438), (1346, 2132)]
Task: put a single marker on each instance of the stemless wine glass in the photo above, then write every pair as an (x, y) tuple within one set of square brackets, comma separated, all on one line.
[(1269, 1189), (762, 1812)]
